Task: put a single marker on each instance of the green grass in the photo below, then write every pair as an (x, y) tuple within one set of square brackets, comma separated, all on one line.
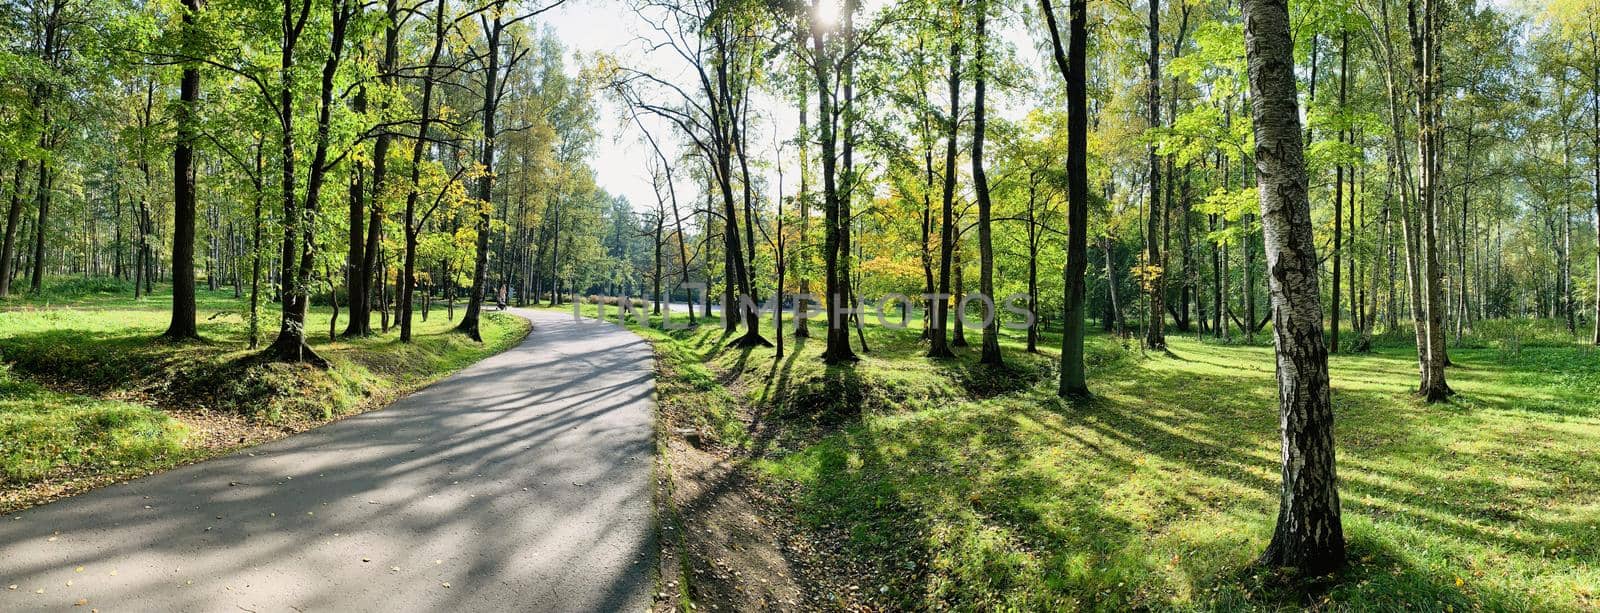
[(90, 392), (43, 433), (960, 487)]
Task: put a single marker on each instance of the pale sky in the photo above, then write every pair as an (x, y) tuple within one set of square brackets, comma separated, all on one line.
[(622, 158)]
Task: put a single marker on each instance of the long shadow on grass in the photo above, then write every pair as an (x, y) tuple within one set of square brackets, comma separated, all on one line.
[(474, 448)]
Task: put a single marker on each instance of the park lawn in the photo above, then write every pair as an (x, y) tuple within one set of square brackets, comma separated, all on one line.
[(90, 395), (960, 487)]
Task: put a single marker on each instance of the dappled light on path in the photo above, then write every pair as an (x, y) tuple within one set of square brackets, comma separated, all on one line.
[(521, 483)]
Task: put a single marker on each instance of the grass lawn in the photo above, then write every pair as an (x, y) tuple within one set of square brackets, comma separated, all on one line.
[(955, 486), (89, 394)]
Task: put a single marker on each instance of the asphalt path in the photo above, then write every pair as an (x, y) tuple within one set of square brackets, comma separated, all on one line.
[(522, 483)]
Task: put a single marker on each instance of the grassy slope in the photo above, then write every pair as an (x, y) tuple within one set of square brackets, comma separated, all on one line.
[(90, 395), (980, 490)]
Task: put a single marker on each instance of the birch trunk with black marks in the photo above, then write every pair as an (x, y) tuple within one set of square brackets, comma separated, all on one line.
[(1308, 536)]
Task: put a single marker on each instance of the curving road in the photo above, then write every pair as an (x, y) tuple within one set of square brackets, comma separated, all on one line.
[(522, 483)]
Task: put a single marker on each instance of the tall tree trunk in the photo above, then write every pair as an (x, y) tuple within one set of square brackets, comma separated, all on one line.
[(361, 311), (802, 329), (356, 281), (1309, 536), (1071, 65), (837, 348), (255, 247), (291, 345), (42, 199), (1155, 278), (183, 324), (1033, 262), (1594, 92), (491, 97), (940, 342), (408, 266), (990, 351), (1338, 197), (1424, 41), (13, 221)]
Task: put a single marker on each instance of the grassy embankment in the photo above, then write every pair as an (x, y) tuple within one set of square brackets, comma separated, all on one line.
[(90, 395), (956, 486)]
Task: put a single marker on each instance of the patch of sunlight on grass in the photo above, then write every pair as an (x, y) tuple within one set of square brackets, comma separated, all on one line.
[(86, 378), (977, 491)]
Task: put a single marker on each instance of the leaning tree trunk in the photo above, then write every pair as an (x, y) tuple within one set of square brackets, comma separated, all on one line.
[(1309, 536), (408, 267)]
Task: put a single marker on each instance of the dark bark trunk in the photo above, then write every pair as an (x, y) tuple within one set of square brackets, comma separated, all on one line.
[(13, 222), (1338, 198), (42, 199), (940, 346), (990, 351), (837, 349), (183, 324), (1072, 64), (491, 97), (1155, 277), (408, 267)]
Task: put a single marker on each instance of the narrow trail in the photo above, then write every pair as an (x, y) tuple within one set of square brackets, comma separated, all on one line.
[(522, 483)]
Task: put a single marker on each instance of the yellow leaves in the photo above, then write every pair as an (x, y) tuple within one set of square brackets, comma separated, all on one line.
[(1147, 275), (1572, 18)]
